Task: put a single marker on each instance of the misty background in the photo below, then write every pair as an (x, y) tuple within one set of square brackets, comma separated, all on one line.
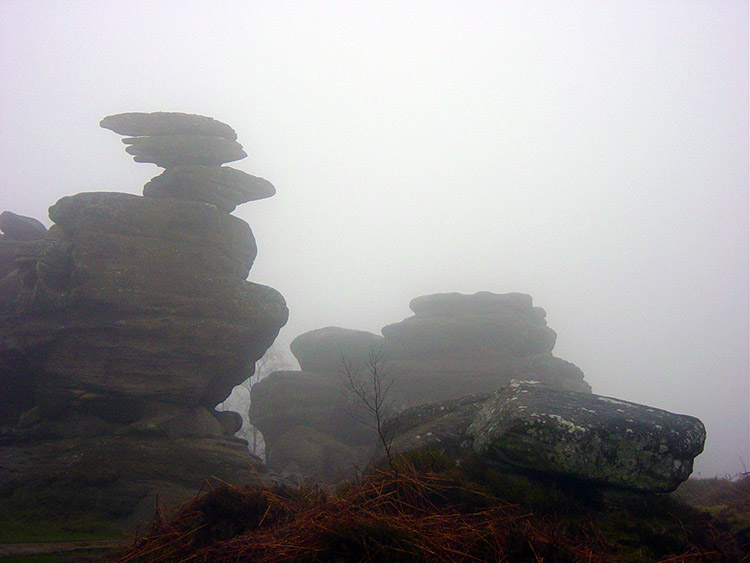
[(591, 154)]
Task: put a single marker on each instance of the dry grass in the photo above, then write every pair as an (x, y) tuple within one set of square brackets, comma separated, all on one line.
[(415, 515)]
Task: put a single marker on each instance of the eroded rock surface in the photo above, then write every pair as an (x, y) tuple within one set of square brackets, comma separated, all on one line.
[(533, 426), (454, 346), (458, 344), (123, 326), (326, 350)]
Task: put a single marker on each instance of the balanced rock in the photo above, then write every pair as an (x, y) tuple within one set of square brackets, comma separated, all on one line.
[(192, 149), (173, 150), (326, 350), (222, 186), (536, 427), (137, 124)]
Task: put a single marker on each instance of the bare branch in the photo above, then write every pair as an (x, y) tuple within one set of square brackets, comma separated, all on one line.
[(371, 392)]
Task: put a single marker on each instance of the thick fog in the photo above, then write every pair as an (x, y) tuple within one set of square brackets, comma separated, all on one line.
[(591, 154)]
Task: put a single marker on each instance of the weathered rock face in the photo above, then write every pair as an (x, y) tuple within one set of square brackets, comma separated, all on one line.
[(161, 307), (288, 399), (16, 391), (459, 344), (129, 320), (115, 475), (443, 426), (533, 426), (317, 400), (16, 230), (224, 187), (303, 451), (326, 349), (455, 345)]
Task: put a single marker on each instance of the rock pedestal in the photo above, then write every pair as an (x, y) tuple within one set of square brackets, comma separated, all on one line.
[(131, 319)]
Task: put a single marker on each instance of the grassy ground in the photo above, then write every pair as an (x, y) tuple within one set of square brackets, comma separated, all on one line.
[(430, 510), (427, 510)]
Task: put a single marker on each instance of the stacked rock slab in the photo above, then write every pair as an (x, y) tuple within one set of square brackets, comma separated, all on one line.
[(454, 346), (192, 149), (130, 321), (457, 345)]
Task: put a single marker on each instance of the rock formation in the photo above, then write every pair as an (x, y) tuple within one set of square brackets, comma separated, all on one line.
[(455, 345), (131, 319), (618, 443), (310, 423)]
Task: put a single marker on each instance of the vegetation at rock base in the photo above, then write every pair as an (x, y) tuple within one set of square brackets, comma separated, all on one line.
[(433, 510), (727, 500)]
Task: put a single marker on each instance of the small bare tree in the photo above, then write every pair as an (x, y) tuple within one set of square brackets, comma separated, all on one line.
[(371, 390)]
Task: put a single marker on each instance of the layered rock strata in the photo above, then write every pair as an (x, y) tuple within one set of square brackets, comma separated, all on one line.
[(311, 424), (129, 321), (458, 345), (455, 345), (192, 149)]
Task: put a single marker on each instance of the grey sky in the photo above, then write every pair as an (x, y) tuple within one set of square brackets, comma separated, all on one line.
[(591, 154)]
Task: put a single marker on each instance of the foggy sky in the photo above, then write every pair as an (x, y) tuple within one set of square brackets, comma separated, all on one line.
[(591, 154)]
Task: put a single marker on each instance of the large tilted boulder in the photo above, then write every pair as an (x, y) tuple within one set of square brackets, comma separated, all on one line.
[(533, 426), (125, 324), (443, 426)]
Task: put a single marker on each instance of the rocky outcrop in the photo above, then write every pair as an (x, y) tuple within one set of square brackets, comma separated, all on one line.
[(16, 392), (455, 345), (326, 350), (608, 441), (287, 401), (192, 148), (131, 318), (443, 426), (458, 345)]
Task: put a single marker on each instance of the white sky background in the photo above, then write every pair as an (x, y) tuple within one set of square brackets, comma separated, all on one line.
[(591, 154)]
